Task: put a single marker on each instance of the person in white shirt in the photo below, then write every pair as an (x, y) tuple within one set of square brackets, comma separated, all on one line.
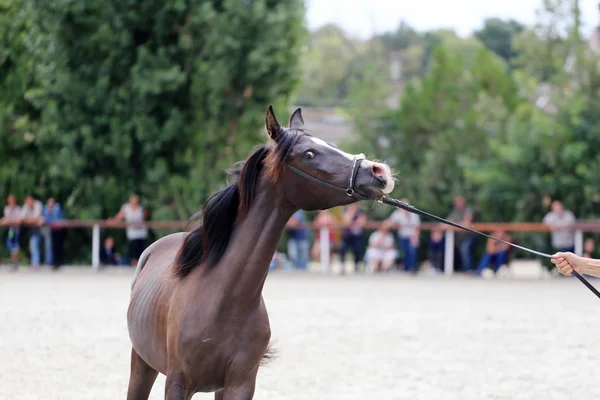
[(381, 251), (408, 225), (31, 217), (558, 220), (136, 235)]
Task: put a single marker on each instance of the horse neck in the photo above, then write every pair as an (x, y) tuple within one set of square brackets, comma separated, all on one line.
[(245, 264)]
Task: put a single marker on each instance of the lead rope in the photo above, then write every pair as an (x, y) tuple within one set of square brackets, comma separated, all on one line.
[(408, 207)]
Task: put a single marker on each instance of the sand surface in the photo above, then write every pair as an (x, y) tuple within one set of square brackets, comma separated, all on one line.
[(63, 336)]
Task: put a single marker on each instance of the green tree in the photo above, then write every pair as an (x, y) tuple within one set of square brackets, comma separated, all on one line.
[(497, 36), (327, 67), (149, 97)]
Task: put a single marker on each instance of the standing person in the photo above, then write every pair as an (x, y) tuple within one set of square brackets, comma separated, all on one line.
[(353, 232), (408, 225), (12, 218), (559, 220), (31, 215), (133, 211), (298, 245), (463, 214), (53, 235), (324, 219)]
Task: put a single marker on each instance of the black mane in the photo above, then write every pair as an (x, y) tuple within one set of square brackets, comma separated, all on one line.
[(207, 243)]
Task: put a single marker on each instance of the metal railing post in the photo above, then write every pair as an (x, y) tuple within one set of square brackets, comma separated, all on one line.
[(96, 246), (449, 252), (325, 250), (579, 242)]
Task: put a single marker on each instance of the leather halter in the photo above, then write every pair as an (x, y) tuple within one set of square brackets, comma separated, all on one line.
[(349, 190)]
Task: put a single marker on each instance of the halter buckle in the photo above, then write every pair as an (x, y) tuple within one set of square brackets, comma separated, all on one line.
[(350, 192)]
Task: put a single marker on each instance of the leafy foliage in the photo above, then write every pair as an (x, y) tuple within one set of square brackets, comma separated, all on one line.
[(104, 98)]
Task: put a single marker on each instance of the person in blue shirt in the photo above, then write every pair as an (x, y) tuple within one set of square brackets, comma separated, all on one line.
[(298, 244), (53, 235)]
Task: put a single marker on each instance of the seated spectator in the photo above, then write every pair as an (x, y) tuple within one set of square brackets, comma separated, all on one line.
[(589, 249), (324, 219), (381, 252), (280, 261), (12, 218), (436, 248), (108, 256), (558, 220), (495, 251)]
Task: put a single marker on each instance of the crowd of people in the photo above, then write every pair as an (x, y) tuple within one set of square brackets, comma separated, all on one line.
[(32, 223), (397, 240), (395, 243)]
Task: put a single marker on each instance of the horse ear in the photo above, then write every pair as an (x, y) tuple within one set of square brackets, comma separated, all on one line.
[(296, 120), (273, 127)]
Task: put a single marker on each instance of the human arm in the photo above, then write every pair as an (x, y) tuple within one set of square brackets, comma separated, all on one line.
[(567, 262), (120, 215)]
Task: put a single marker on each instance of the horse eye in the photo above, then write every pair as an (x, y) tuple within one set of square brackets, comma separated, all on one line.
[(309, 154)]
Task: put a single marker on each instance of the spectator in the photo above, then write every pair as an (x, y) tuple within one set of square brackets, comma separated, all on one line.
[(589, 249), (31, 214), (353, 222), (12, 218), (53, 235), (381, 251), (436, 248), (463, 214), (298, 244), (558, 220), (495, 251), (324, 219), (280, 261), (136, 235), (408, 225), (108, 256)]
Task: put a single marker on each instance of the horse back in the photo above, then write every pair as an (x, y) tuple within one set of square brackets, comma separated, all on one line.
[(161, 253)]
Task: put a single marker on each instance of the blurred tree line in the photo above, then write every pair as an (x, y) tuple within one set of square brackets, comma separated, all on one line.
[(508, 117), (100, 99)]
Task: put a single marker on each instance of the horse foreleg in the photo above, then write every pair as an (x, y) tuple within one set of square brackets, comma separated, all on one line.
[(175, 388), (141, 378)]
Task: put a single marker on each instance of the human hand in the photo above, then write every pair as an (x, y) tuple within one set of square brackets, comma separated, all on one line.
[(567, 262)]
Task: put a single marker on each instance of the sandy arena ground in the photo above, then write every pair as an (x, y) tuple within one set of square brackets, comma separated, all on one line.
[(63, 336)]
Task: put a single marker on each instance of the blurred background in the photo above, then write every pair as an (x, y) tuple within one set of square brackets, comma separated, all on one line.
[(493, 102)]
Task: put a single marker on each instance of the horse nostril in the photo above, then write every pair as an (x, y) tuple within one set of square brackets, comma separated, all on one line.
[(378, 170)]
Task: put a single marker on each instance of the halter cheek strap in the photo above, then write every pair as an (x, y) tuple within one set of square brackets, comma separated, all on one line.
[(352, 178), (349, 190)]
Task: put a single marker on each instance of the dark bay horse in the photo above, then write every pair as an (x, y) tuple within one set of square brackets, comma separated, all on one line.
[(196, 312)]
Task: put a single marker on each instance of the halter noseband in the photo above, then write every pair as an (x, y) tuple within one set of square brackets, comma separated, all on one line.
[(350, 191)]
